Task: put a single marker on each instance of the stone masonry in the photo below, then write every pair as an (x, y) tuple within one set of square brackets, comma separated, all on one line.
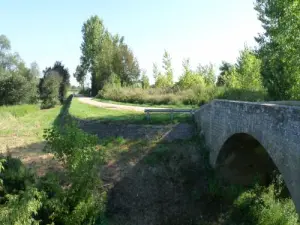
[(276, 127)]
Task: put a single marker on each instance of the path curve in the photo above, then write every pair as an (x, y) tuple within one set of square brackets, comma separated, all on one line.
[(90, 101)]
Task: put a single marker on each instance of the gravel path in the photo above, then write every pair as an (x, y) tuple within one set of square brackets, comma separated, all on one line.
[(90, 101)]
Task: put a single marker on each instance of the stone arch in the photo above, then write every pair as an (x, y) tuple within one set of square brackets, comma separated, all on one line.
[(275, 127), (242, 158)]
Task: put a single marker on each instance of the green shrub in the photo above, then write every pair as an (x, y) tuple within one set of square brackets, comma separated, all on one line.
[(16, 89), (196, 95), (264, 206), (20, 199), (50, 90), (242, 94), (85, 91), (18, 84), (155, 96), (16, 176), (74, 195), (83, 202)]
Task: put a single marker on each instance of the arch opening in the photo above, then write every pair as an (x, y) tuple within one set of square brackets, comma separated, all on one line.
[(243, 160)]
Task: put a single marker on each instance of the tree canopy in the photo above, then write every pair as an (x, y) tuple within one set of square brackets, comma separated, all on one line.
[(18, 84), (279, 47), (104, 54)]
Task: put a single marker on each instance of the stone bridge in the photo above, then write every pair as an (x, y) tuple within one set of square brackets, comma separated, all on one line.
[(235, 132)]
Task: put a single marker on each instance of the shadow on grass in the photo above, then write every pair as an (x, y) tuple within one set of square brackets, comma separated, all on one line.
[(156, 119), (64, 112), (148, 181), (33, 156), (139, 132), (161, 183)]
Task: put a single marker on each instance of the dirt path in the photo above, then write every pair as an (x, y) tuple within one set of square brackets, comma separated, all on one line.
[(90, 101)]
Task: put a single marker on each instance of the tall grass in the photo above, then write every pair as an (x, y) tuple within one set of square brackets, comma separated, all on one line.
[(195, 96), (17, 110)]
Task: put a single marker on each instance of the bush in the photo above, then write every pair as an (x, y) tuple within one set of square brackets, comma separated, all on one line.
[(242, 94), (50, 90), (20, 200), (197, 95), (85, 92), (73, 196), (264, 206), (83, 201), (18, 84), (154, 96), (16, 89)]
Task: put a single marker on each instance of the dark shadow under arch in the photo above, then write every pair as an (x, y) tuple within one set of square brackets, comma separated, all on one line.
[(243, 160)]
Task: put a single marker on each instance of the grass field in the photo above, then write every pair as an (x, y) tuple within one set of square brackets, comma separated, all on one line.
[(145, 178), (22, 126), (84, 111), (149, 105), (21, 134)]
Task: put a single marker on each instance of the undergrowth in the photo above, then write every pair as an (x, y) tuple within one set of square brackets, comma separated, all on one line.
[(17, 110), (73, 196), (171, 96)]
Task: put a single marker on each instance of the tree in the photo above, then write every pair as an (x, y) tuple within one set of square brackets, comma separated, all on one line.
[(279, 47), (63, 72), (50, 89), (18, 84), (246, 73), (35, 70), (145, 80), (160, 82), (167, 66), (104, 55), (156, 72), (8, 60), (225, 69), (4, 43), (248, 67), (164, 80), (189, 78), (80, 74), (92, 31), (124, 63), (208, 73)]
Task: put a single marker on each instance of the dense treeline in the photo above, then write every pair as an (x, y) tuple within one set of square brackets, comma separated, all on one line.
[(22, 85), (240, 81), (271, 71), (18, 84)]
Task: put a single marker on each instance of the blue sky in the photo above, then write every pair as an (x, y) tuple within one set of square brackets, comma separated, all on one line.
[(203, 30)]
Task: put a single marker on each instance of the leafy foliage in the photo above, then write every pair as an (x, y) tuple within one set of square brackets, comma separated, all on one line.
[(264, 206), (103, 55), (164, 80), (63, 78), (84, 199), (246, 73), (189, 78), (72, 196), (18, 84), (50, 90), (145, 80), (279, 49), (225, 69), (208, 73), (20, 200)]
